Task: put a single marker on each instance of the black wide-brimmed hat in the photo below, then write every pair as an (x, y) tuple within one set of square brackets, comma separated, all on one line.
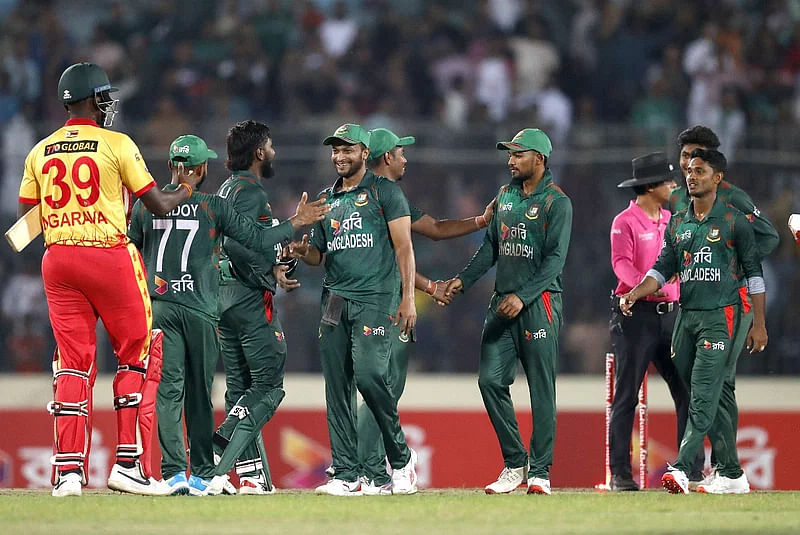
[(649, 169)]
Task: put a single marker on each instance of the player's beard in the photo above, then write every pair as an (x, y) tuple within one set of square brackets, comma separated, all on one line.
[(267, 171), (355, 168)]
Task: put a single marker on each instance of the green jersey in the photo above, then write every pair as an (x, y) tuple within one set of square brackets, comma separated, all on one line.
[(766, 236), (244, 192), (708, 255), (528, 238), (360, 261), (181, 249)]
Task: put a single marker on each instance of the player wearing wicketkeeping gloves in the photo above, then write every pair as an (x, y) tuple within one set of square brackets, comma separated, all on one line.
[(709, 246), (528, 239), (767, 239), (251, 337), (80, 176), (387, 158), (364, 239), (181, 253)]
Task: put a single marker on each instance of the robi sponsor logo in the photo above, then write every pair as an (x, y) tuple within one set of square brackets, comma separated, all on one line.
[(719, 346), (279, 336), (161, 285), (374, 331)]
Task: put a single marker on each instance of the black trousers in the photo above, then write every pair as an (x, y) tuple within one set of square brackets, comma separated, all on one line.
[(638, 340)]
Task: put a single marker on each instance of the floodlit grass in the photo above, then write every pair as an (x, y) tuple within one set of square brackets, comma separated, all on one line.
[(460, 511)]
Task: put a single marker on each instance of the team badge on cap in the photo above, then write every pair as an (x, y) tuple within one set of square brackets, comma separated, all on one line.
[(713, 234), (362, 199), (532, 212)]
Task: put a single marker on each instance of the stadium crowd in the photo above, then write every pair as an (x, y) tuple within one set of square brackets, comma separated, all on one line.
[(607, 79)]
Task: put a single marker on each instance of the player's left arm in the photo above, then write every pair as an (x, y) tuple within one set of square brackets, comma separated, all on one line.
[(397, 215), (747, 251), (767, 237), (445, 229), (554, 252)]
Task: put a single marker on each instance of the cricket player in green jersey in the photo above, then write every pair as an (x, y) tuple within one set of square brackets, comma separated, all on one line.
[(387, 158), (181, 252), (251, 337), (710, 247), (364, 241), (767, 239), (528, 239)]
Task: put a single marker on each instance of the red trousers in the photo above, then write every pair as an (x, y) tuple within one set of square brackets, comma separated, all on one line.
[(82, 284)]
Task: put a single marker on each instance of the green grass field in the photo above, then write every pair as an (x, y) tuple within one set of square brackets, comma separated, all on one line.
[(430, 511)]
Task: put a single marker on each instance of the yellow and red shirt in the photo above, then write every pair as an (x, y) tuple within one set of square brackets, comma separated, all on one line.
[(81, 175)]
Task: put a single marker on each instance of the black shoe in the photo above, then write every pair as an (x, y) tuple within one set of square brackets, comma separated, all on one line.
[(623, 483)]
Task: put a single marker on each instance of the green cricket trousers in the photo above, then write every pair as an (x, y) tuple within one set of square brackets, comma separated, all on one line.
[(532, 338)]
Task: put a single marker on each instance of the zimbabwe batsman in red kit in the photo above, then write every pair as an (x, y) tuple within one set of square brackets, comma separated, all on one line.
[(79, 175)]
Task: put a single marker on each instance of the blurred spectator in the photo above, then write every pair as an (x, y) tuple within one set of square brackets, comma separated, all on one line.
[(494, 80), (24, 74), (18, 138), (535, 58), (454, 109), (338, 32), (167, 124), (729, 122), (657, 114)]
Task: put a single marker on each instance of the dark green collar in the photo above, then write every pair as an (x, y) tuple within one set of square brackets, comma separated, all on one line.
[(366, 181), (717, 210), (247, 174), (546, 180)]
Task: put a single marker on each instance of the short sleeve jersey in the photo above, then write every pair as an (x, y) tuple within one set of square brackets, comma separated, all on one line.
[(243, 192), (707, 256), (416, 213), (181, 249), (360, 261), (78, 174)]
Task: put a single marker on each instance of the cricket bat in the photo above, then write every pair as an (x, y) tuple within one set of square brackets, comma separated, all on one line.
[(25, 229)]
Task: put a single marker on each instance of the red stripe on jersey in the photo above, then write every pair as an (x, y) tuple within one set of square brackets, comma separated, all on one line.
[(548, 308), (745, 299), (26, 200), (729, 320), (145, 189)]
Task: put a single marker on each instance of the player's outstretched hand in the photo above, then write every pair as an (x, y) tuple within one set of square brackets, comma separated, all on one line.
[(309, 212), (757, 339), (280, 277), (489, 211), (406, 316), (510, 306), (440, 294), (794, 226), (181, 175), (453, 287), (297, 249)]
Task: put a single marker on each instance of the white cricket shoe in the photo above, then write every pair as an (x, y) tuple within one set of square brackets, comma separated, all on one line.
[(675, 481), (132, 481), (539, 485), (508, 480), (726, 485), (215, 487), (370, 488), (404, 480), (254, 485), (339, 487), (707, 480), (68, 485)]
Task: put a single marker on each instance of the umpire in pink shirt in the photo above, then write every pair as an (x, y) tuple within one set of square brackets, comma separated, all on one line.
[(637, 235)]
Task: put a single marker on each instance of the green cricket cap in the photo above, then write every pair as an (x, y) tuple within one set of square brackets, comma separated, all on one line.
[(382, 140), (350, 134), (191, 150), (528, 139)]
